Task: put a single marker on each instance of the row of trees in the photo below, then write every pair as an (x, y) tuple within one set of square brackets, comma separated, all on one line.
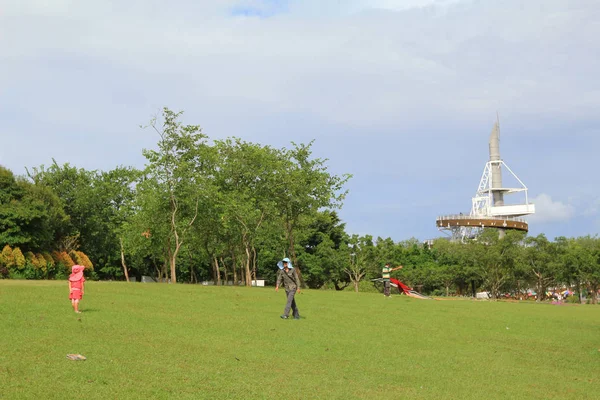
[(228, 210), (199, 210), (512, 265)]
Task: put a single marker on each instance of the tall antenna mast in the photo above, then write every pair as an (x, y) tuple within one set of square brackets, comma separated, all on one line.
[(498, 122)]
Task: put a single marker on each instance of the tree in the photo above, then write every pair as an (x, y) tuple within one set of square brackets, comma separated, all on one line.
[(31, 217), (448, 256), (323, 249), (74, 188), (246, 176), (497, 257), (305, 186), (539, 255), (174, 169), (116, 189), (361, 255), (586, 252)]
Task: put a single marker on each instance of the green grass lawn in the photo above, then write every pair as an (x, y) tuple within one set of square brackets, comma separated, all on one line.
[(163, 341)]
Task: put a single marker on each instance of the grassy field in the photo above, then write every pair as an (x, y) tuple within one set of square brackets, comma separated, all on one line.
[(162, 341)]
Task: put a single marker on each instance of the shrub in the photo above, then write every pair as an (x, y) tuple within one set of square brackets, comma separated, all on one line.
[(438, 293), (27, 272), (42, 265), (93, 276), (62, 272), (64, 259), (364, 286), (81, 258), (19, 258), (84, 260), (7, 259), (31, 259), (75, 257), (49, 260), (572, 299)]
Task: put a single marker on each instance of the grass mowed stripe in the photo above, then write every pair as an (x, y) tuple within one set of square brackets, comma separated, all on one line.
[(189, 342)]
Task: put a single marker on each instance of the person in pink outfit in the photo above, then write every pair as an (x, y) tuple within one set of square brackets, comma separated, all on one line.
[(76, 286)]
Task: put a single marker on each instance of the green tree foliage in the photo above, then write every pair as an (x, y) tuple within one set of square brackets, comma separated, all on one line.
[(448, 256), (324, 250), (586, 252), (228, 210), (497, 258), (246, 176), (539, 259), (305, 186), (97, 204), (173, 170), (31, 217), (361, 258)]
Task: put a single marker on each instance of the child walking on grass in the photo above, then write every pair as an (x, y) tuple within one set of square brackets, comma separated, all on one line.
[(76, 284)]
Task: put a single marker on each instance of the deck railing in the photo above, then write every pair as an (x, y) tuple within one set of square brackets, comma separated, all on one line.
[(467, 216)]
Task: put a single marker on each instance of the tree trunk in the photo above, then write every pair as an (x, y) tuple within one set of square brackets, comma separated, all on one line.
[(214, 269), (217, 273), (541, 290), (172, 261), (594, 294), (225, 274), (247, 268), (165, 272), (123, 260), (158, 273), (254, 263), (234, 269), (193, 278), (242, 273)]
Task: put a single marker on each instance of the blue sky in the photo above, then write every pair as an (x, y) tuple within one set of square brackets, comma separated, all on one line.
[(401, 94)]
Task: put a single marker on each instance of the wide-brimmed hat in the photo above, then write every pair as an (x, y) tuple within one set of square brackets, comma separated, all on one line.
[(76, 273), (287, 260)]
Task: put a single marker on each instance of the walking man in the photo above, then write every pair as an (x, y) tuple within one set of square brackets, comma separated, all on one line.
[(287, 274), (386, 274)]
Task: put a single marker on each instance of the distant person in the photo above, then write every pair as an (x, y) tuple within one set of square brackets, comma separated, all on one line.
[(76, 286), (287, 274), (385, 275)]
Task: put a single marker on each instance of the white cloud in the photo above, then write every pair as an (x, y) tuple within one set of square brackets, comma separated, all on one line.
[(548, 210), (393, 85), (450, 58)]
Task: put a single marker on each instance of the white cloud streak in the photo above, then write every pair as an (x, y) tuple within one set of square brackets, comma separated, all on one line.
[(549, 210), (363, 68), (396, 86)]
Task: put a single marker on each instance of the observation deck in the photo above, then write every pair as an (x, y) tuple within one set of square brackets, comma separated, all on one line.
[(473, 221)]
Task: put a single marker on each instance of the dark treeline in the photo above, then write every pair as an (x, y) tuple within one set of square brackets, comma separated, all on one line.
[(228, 210)]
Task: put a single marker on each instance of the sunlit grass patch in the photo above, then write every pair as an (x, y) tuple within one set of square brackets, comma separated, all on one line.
[(182, 341)]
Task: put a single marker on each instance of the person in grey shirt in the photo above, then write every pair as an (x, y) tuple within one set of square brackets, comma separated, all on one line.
[(288, 276)]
